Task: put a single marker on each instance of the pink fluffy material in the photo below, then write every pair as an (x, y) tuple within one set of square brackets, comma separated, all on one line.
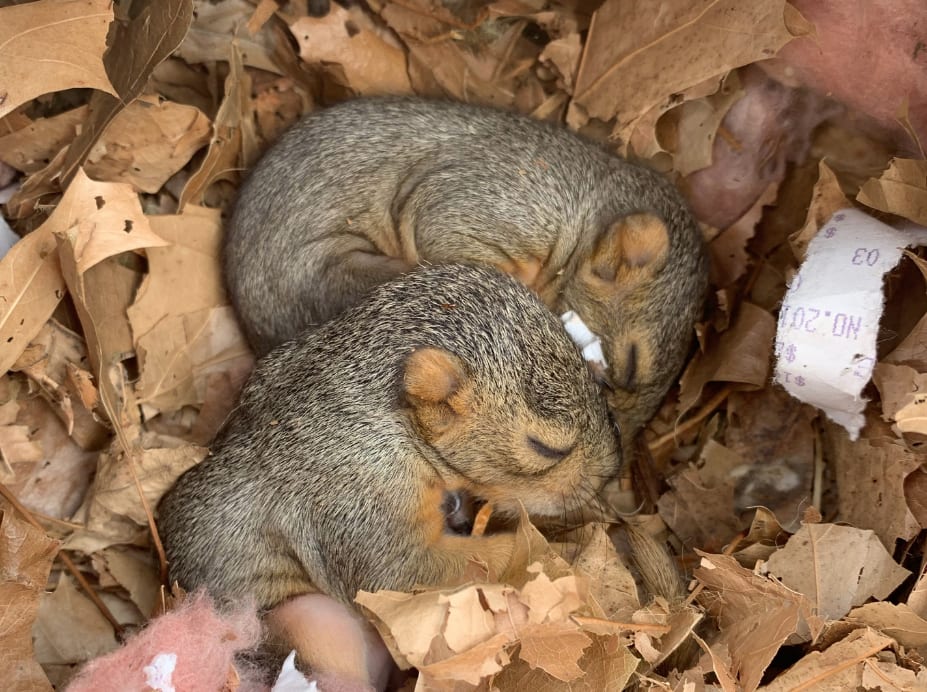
[(868, 54), (204, 641)]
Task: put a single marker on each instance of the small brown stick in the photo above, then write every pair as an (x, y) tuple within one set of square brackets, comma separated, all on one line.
[(68, 563), (692, 422), (152, 526)]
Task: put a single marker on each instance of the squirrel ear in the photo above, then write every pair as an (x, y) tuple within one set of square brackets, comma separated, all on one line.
[(632, 242), (434, 383)]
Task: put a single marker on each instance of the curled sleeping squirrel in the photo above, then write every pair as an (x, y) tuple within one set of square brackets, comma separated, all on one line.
[(356, 194), (334, 472)]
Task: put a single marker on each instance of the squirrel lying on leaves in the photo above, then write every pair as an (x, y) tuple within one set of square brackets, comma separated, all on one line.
[(333, 471), (359, 193)]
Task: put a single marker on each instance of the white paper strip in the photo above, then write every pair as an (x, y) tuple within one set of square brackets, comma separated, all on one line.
[(826, 338)]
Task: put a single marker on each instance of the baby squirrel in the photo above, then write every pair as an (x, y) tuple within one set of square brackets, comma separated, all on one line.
[(358, 193), (332, 473)]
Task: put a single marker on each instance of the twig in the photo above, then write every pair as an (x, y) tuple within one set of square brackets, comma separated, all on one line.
[(692, 422), (152, 526), (68, 563)]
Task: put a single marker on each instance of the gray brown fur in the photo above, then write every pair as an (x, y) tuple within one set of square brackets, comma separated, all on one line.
[(318, 478), (358, 193)]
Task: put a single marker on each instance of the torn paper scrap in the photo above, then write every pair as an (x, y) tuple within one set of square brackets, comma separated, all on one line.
[(291, 680), (583, 337), (826, 338)]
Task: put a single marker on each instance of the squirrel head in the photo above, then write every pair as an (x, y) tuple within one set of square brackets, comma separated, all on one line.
[(618, 294), (514, 427)]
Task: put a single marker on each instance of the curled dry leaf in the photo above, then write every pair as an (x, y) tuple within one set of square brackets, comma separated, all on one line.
[(136, 47), (349, 47), (226, 155), (26, 555), (102, 219), (52, 45), (468, 633), (901, 190), (827, 199), (635, 59), (757, 616), (741, 355), (836, 567)]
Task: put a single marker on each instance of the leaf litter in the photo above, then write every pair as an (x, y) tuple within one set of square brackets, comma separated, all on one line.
[(803, 550)]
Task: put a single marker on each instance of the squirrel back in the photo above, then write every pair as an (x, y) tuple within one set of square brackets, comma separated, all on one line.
[(331, 473), (358, 193)]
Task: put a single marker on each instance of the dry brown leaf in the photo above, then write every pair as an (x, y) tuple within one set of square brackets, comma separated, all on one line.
[(699, 512), (563, 56), (608, 664), (31, 286), (70, 628), (917, 599), (106, 220), (56, 481), (728, 250), (836, 567), (16, 444), (26, 555), (741, 355), (348, 46), (901, 190), (101, 285), (695, 125), (555, 647), (757, 615), (898, 621), (915, 494), (55, 362), (837, 669), (103, 217), (183, 329), (112, 512), (31, 148), (136, 47), (635, 58), (762, 540), (225, 157), (611, 584), (870, 475), (137, 573), (826, 200), (445, 60), (901, 389), (215, 24), (52, 45), (147, 143)]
